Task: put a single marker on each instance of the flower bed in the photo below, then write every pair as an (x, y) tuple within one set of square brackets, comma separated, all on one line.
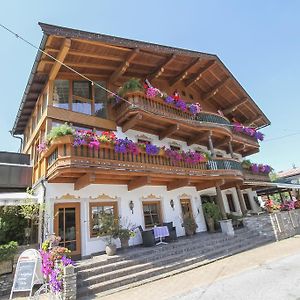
[(256, 168), (238, 127), (54, 259), (124, 145)]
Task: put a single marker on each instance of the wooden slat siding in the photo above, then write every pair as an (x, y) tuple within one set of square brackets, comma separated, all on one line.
[(60, 57), (74, 117)]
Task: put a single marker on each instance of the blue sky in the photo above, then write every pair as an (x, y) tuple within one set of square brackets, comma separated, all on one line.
[(257, 40)]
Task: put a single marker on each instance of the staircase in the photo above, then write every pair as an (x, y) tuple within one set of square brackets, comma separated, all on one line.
[(103, 275)]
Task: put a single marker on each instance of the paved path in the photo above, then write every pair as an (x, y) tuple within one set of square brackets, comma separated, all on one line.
[(269, 272)]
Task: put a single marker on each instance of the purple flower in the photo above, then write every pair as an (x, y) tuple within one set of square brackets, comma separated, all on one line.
[(255, 168), (195, 108), (151, 92), (41, 147), (152, 149), (181, 105), (238, 127), (169, 100), (94, 144), (66, 261), (259, 136)]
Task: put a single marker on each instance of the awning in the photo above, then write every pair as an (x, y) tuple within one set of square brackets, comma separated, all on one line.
[(273, 184), (13, 199)]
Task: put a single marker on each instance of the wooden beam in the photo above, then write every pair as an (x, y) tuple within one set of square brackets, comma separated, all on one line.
[(239, 148), (161, 68), (182, 75), (87, 54), (132, 122), (200, 73), (122, 69), (215, 89), (230, 184), (168, 131), (250, 152), (178, 183), (206, 185), (198, 138), (253, 120), (235, 106), (61, 57), (138, 182), (84, 181), (223, 142), (84, 65)]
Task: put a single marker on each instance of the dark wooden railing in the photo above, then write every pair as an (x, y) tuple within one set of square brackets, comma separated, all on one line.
[(106, 155), (138, 101), (251, 176)]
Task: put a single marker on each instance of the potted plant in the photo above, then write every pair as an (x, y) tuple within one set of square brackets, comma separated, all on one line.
[(109, 230), (211, 214), (189, 225), (7, 253), (124, 235)]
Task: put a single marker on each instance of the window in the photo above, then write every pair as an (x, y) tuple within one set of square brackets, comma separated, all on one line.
[(96, 210), (81, 101), (175, 148), (100, 101), (230, 202), (145, 142), (247, 202), (151, 213), (61, 94)]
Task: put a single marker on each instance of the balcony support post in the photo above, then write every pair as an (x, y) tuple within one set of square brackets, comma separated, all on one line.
[(230, 149), (220, 202), (211, 146), (241, 200)]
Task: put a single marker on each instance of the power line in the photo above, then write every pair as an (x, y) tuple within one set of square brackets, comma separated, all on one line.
[(18, 36)]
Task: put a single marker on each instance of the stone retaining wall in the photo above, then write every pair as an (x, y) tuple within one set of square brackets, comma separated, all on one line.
[(278, 225)]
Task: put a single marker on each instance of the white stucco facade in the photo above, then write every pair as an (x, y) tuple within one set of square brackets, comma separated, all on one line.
[(58, 193)]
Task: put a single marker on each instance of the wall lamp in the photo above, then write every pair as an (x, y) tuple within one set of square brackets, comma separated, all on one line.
[(131, 206), (172, 203)]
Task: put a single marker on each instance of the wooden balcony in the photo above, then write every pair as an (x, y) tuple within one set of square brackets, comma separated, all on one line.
[(83, 166), (165, 120), (251, 176)]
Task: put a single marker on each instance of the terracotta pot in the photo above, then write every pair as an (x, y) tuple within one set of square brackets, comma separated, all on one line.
[(124, 243), (189, 231), (6, 266), (111, 249), (210, 224)]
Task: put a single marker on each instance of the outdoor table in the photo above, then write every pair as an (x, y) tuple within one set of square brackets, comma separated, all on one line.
[(161, 232)]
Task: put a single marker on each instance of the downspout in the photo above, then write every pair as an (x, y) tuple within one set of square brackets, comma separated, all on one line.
[(43, 214), (17, 137)]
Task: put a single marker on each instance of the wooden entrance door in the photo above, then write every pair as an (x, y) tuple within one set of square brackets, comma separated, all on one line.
[(67, 225), (186, 208)]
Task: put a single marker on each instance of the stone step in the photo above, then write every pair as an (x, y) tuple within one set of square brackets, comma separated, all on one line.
[(140, 252), (154, 254), (104, 272), (143, 274)]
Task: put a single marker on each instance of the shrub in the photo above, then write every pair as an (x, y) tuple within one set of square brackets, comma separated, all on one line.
[(8, 251), (58, 131)]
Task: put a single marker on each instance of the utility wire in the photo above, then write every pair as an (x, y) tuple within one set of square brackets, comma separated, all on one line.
[(18, 36)]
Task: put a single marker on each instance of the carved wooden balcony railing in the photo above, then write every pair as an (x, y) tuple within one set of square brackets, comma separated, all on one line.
[(155, 116), (68, 164), (251, 176)]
